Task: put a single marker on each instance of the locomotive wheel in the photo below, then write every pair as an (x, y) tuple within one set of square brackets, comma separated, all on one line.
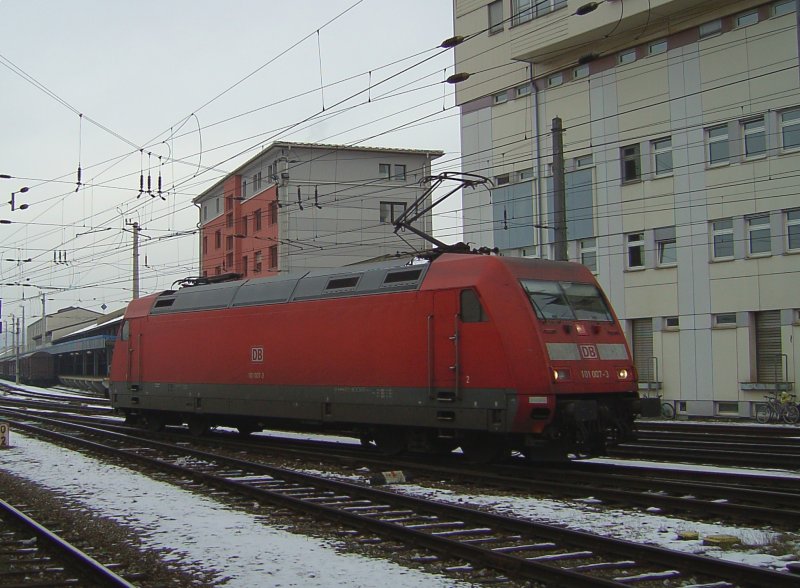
[(198, 426), (155, 423), (481, 448), (390, 442)]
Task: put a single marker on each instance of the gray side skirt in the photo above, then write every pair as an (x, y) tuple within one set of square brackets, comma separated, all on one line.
[(487, 410)]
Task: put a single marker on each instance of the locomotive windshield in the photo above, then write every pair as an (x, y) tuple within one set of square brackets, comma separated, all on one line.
[(566, 301)]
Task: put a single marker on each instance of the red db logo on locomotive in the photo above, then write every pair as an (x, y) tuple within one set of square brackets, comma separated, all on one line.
[(257, 354)]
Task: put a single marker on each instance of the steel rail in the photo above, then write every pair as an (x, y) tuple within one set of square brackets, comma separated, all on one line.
[(82, 563), (517, 566)]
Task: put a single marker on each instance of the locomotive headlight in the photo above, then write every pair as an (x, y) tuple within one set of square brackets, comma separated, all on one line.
[(622, 374), (559, 375)]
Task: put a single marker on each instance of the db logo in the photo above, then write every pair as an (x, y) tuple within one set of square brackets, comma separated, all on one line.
[(257, 354), (588, 352)]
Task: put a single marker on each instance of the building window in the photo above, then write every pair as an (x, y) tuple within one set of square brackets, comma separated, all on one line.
[(588, 253), (217, 239), (228, 242), (384, 171), (390, 211), (244, 187), (755, 138), (662, 156), (747, 19), (205, 212), (256, 183), (523, 90), (217, 270), (631, 163), (229, 220), (495, 17), (525, 174), (502, 180), (635, 245), (229, 262), (710, 29), (790, 129), (657, 47), (555, 80), (500, 97), (273, 212), (205, 244), (758, 235), (244, 225), (585, 161), (718, 150), (581, 71), (628, 56), (257, 220), (722, 238), (784, 7), (667, 252), (217, 203), (793, 230), (244, 265), (725, 319), (273, 257), (399, 172), (671, 322), (525, 10), (257, 262)]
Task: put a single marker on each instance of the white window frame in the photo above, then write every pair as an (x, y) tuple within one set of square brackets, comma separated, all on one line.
[(667, 245), (751, 129), (672, 323), (755, 227), (657, 47), (495, 25), (722, 231), (746, 19), (710, 29), (793, 230), (722, 320), (714, 135), (525, 10), (555, 80), (523, 90), (790, 125), (785, 7), (626, 57), (587, 251), (662, 150), (582, 71), (634, 241), (502, 179), (500, 97)]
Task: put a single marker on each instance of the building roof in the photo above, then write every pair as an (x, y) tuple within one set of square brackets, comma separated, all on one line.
[(283, 144)]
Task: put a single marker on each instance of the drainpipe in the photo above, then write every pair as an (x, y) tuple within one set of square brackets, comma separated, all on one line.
[(537, 146)]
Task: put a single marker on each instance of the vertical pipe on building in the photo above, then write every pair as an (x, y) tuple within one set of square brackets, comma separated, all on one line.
[(538, 147)]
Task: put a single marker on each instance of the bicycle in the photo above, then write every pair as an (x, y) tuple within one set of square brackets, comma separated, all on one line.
[(778, 408), (666, 409)]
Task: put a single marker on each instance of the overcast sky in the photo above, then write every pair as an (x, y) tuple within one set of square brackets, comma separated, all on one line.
[(203, 84)]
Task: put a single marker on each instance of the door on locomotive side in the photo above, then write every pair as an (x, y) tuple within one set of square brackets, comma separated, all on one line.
[(444, 338), (130, 339)]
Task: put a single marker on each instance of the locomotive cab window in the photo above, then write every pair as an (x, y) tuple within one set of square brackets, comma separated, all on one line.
[(471, 308), (566, 301), (125, 331)]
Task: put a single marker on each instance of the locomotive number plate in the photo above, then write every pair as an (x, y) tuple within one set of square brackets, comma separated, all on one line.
[(595, 374), (4, 434)]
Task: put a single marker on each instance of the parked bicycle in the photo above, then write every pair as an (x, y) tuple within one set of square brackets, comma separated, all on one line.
[(778, 407), (667, 407)]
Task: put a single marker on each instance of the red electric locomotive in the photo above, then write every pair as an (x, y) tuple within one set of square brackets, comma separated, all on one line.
[(486, 353)]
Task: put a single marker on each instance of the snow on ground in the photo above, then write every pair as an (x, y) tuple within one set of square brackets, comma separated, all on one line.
[(201, 533)]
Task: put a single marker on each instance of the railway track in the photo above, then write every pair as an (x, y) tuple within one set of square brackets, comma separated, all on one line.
[(748, 498), (32, 555), (516, 548)]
